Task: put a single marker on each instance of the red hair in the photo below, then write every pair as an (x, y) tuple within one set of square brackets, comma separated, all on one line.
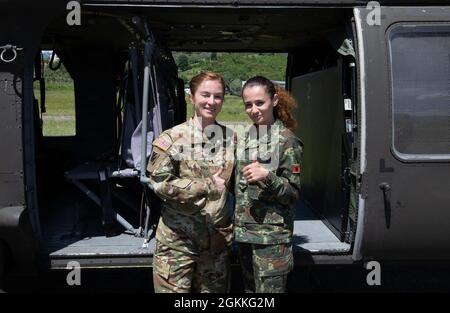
[(205, 75), (285, 107)]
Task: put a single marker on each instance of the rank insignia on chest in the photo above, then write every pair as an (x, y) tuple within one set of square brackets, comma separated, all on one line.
[(162, 144), (295, 169)]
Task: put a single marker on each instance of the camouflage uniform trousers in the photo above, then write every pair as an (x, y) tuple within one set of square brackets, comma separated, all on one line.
[(176, 271), (265, 267)]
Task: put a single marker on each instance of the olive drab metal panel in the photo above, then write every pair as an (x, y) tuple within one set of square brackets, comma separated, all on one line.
[(322, 153), (11, 170), (21, 26), (404, 100)]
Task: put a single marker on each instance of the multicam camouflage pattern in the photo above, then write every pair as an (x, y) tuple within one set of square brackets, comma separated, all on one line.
[(195, 225), (176, 271), (264, 211), (265, 267)]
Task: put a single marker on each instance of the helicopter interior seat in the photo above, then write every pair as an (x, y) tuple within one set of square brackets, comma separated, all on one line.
[(164, 100)]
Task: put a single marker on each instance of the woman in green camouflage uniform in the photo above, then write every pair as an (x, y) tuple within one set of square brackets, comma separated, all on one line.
[(267, 185), (190, 170)]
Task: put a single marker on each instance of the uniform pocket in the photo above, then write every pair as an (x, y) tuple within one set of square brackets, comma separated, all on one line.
[(158, 163), (161, 263), (272, 260), (266, 215), (273, 217), (182, 183), (161, 267)]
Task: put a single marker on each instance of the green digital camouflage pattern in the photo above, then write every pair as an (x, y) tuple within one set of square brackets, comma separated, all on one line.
[(264, 211), (265, 267), (194, 225)]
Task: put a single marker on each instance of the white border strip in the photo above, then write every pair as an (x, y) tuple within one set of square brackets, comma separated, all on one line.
[(362, 108)]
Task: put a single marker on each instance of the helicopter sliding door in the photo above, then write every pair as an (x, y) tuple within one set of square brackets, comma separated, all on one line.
[(21, 28), (405, 55), (322, 80)]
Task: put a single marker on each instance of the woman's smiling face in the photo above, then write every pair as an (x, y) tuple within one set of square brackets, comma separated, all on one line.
[(259, 104), (208, 99)]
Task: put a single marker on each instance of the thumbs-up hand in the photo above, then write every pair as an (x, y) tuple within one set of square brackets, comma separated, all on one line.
[(220, 182), (254, 172)]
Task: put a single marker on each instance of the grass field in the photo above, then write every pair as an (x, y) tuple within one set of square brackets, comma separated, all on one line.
[(59, 119)]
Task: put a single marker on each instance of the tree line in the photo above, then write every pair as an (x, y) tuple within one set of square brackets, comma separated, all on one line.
[(235, 67)]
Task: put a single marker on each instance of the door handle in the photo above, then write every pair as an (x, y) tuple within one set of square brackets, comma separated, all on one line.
[(386, 188)]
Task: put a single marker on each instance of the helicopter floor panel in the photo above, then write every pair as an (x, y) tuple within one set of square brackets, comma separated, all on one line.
[(123, 244), (314, 236), (72, 225), (311, 235), (75, 229)]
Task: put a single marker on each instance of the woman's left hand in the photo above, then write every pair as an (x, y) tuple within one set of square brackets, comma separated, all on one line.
[(255, 172)]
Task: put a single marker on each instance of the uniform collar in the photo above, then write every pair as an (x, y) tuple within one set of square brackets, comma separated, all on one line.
[(275, 129), (195, 131)]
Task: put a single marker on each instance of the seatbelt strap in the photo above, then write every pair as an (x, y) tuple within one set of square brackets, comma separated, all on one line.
[(106, 201)]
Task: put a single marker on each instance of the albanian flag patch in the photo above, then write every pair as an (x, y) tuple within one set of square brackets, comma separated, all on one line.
[(295, 169)]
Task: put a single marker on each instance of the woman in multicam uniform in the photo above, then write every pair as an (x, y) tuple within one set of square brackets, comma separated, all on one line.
[(267, 186), (190, 170)]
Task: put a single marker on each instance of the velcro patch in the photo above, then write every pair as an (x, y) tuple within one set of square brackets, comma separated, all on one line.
[(295, 169), (162, 144)]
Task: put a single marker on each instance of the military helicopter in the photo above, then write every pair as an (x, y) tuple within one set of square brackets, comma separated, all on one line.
[(372, 83)]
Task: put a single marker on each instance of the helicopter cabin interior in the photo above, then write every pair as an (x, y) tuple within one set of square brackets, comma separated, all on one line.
[(89, 198)]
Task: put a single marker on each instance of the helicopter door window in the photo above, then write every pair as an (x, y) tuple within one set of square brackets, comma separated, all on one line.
[(59, 116), (420, 74)]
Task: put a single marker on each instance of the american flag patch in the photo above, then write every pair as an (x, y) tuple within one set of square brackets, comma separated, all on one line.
[(162, 144), (295, 169)]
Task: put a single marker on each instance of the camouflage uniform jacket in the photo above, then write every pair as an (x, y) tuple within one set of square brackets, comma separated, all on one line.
[(181, 172), (264, 211)]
